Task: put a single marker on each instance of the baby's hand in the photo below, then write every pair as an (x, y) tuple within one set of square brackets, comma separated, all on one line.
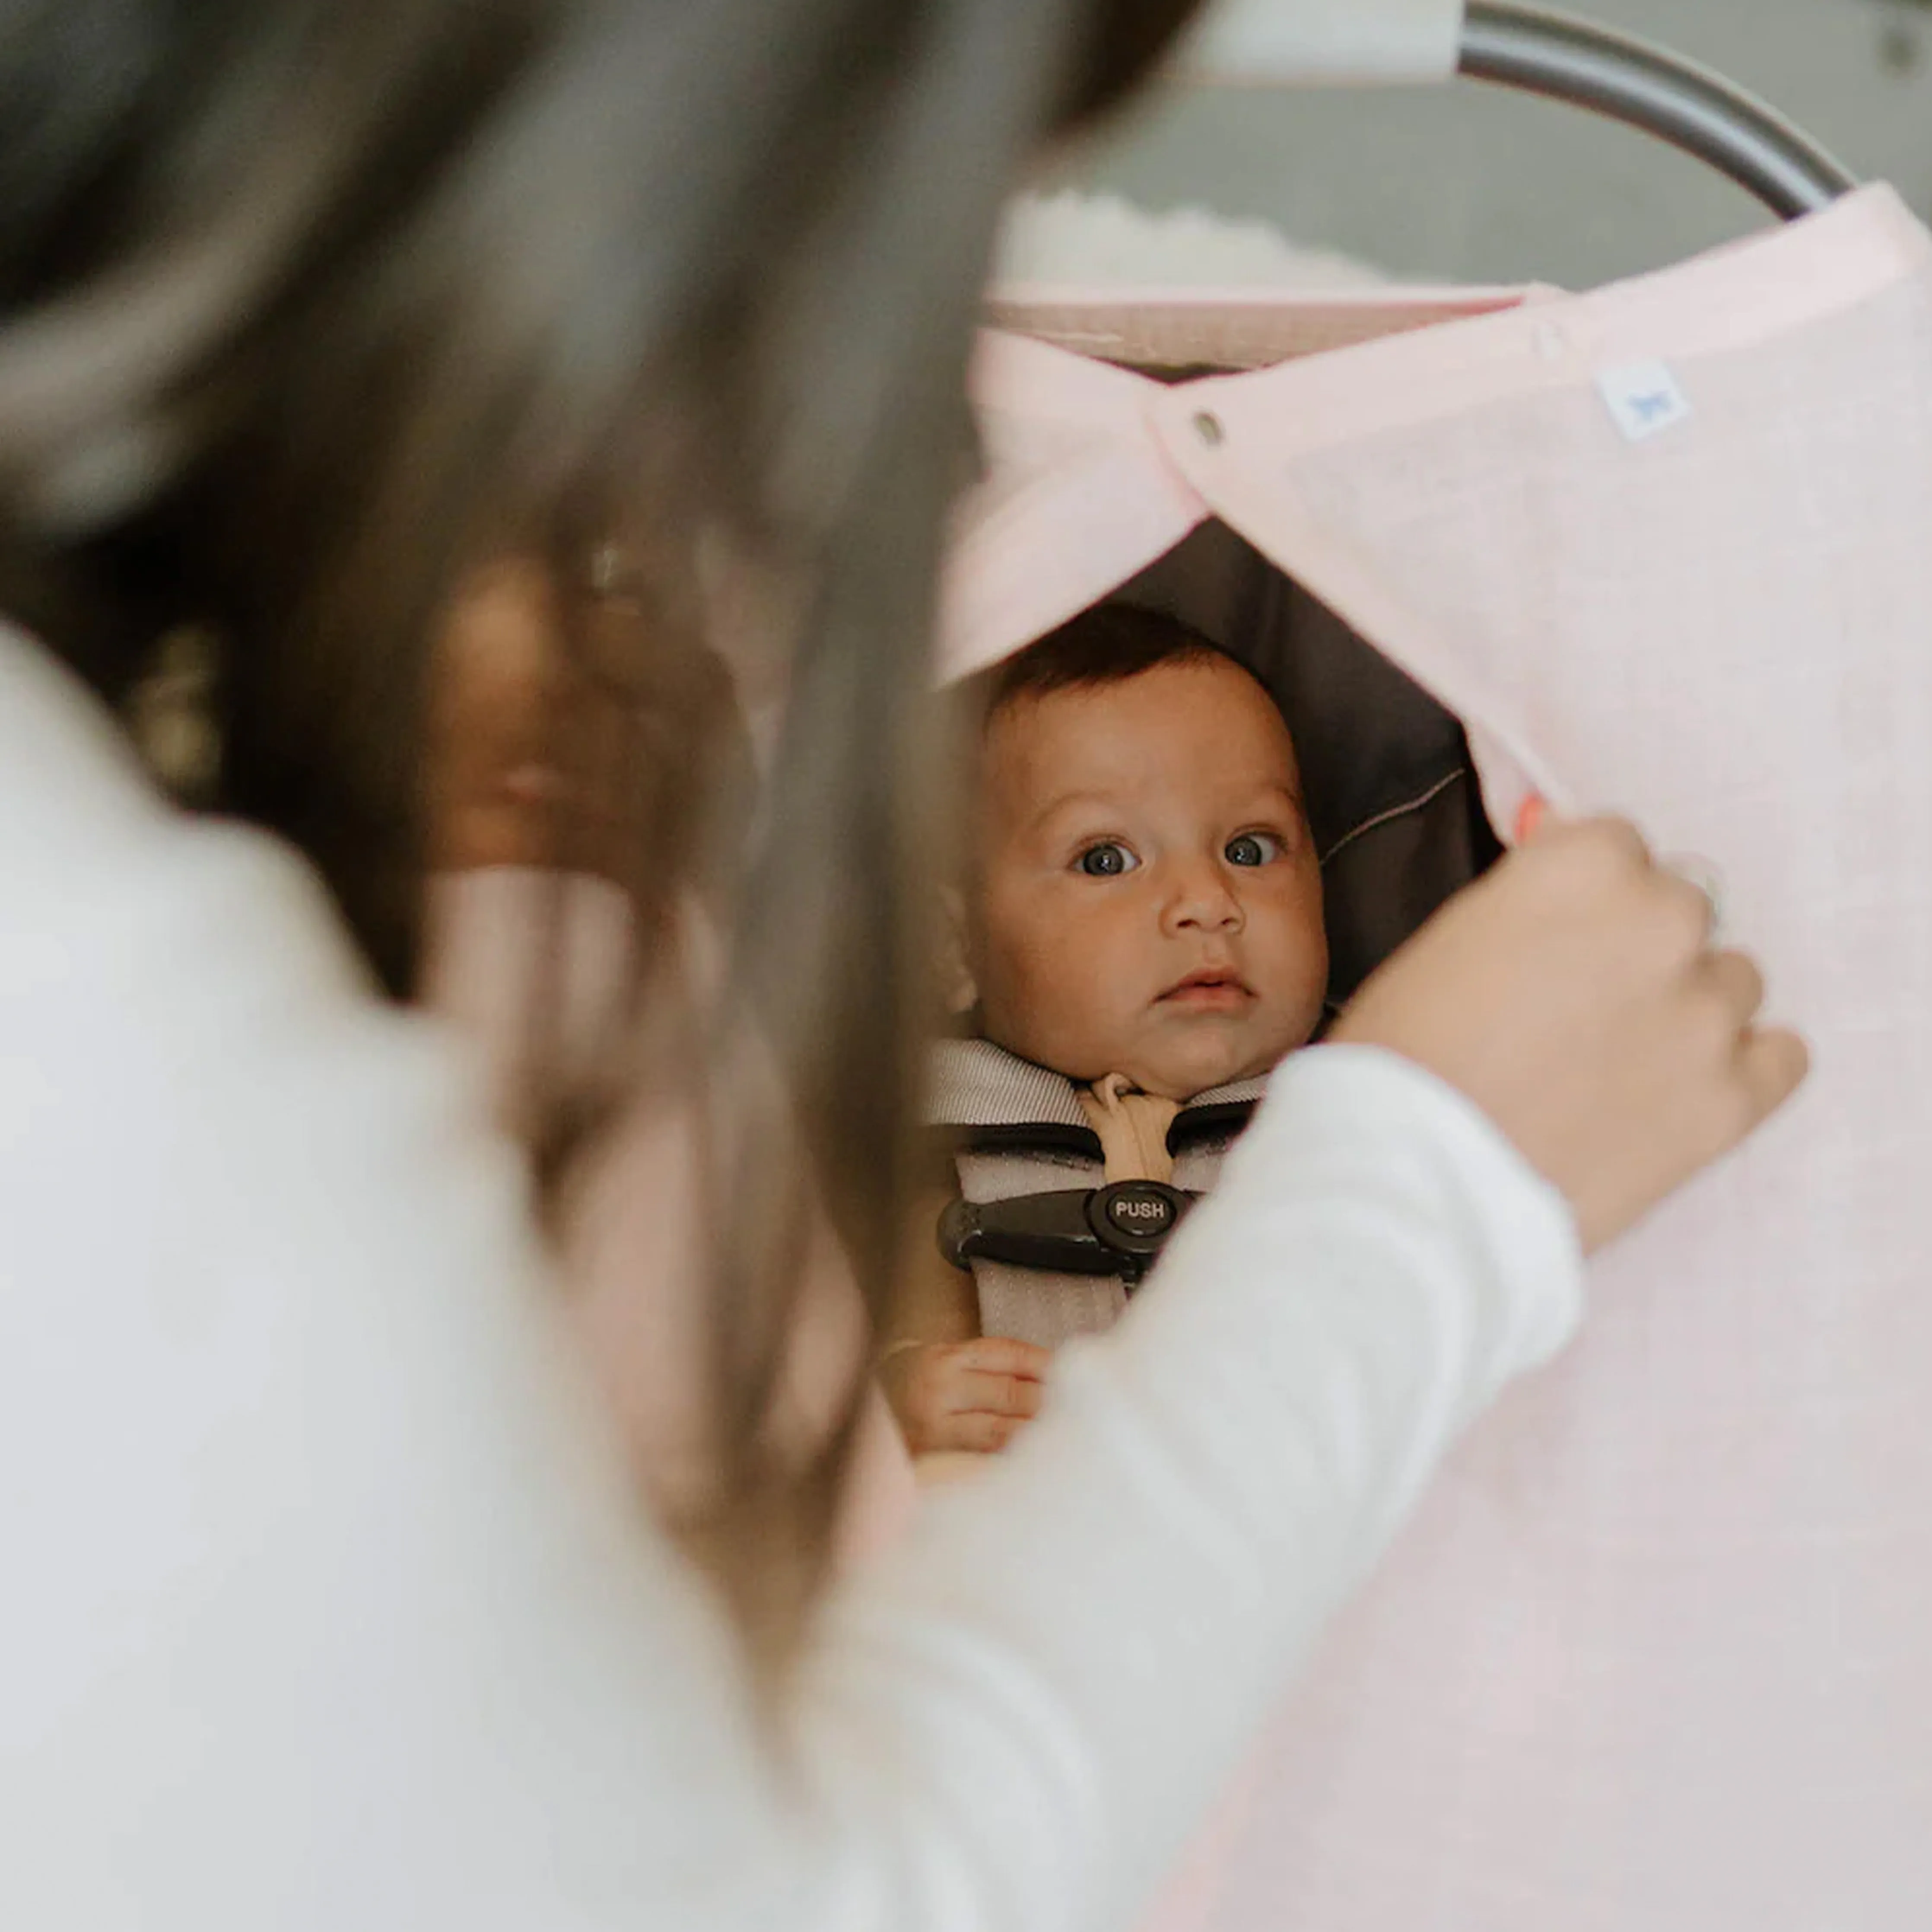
[(972, 1396)]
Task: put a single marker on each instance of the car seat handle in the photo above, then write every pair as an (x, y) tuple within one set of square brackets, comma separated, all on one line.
[(1664, 94), (1619, 75)]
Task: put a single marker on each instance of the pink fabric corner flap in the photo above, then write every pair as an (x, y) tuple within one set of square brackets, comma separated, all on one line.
[(1077, 494), (1080, 489)]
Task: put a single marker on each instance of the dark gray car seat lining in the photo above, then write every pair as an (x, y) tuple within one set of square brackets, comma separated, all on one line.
[(1393, 799)]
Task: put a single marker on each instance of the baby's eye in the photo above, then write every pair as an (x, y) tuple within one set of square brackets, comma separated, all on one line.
[(1253, 848), (1108, 860)]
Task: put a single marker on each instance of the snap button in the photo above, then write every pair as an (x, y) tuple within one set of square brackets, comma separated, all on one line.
[(1551, 343)]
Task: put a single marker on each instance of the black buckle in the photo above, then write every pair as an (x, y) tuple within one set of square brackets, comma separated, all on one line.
[(1119, 1229)]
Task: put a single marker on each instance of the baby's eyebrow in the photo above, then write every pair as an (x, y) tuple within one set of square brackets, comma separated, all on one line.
[(1297, 801), (1067, 801)]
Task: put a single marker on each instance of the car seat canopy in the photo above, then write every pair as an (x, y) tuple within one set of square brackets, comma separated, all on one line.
[(1654, 1652)]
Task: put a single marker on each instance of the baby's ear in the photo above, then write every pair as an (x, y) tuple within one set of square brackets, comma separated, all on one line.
[(960, 989)]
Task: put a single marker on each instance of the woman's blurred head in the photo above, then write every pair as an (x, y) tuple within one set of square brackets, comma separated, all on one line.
[(305, 303)]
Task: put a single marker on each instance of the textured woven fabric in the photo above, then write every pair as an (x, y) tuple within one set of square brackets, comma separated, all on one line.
[(973, 1083), (1658, 1653)]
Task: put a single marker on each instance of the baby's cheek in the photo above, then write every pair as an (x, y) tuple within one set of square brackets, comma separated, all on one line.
[(1070, 1014), (1291, 916), (1068, 1000), (1018, 985)]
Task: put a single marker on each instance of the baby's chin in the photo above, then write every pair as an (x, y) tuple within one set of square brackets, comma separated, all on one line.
[(1184, 1082), (1175, 1063), (1179, 1070)]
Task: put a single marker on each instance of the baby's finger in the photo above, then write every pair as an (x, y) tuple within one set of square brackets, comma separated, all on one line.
[(981, 1435), (978, 1389), (1002, 1355)]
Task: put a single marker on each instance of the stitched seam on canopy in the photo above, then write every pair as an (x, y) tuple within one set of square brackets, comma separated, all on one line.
[(1389, 816)]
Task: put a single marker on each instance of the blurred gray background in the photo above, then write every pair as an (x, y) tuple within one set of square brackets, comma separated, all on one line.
[(1469, 182)]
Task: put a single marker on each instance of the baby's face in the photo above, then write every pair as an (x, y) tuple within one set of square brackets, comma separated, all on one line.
[(1147, 901)]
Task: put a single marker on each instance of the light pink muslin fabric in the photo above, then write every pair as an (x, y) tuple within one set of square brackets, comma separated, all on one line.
[(1657, 1657)]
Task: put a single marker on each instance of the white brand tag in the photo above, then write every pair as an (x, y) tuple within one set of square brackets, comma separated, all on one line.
[(1643, 399)]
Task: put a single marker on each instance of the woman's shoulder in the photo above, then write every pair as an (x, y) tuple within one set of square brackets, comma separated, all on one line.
[(67, 776), (197, 1035), (113, 900)]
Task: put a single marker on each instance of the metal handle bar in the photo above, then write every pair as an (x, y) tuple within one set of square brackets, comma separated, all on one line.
[(1648, 87)]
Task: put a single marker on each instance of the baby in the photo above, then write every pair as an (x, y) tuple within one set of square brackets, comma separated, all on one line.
[(1142, 915)]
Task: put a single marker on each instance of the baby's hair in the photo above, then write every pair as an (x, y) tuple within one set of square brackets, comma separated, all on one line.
[(1107, 644)]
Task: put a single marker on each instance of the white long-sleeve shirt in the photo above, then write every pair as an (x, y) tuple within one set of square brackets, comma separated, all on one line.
[(325, 1605)]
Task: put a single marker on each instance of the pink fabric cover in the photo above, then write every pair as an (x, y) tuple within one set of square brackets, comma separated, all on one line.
[(1658, 1653), (631, 1234)]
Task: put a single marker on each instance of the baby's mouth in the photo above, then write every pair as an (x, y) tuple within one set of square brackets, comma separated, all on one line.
[(1211, 990)]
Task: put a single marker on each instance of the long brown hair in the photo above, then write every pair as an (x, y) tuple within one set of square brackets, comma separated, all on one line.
[(304, 302)]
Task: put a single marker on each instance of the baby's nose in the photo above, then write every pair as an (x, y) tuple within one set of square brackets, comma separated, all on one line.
[(1205, 900)]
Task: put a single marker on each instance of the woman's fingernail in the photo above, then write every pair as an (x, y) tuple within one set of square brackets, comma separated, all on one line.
[(1528, 817)]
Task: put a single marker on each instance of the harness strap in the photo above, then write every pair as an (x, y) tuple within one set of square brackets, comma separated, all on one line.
[(1016, 1130), (1132, 1127)]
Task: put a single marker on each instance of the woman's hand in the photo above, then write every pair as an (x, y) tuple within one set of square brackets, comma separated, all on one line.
[(1574, 995), (964, 1395)]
